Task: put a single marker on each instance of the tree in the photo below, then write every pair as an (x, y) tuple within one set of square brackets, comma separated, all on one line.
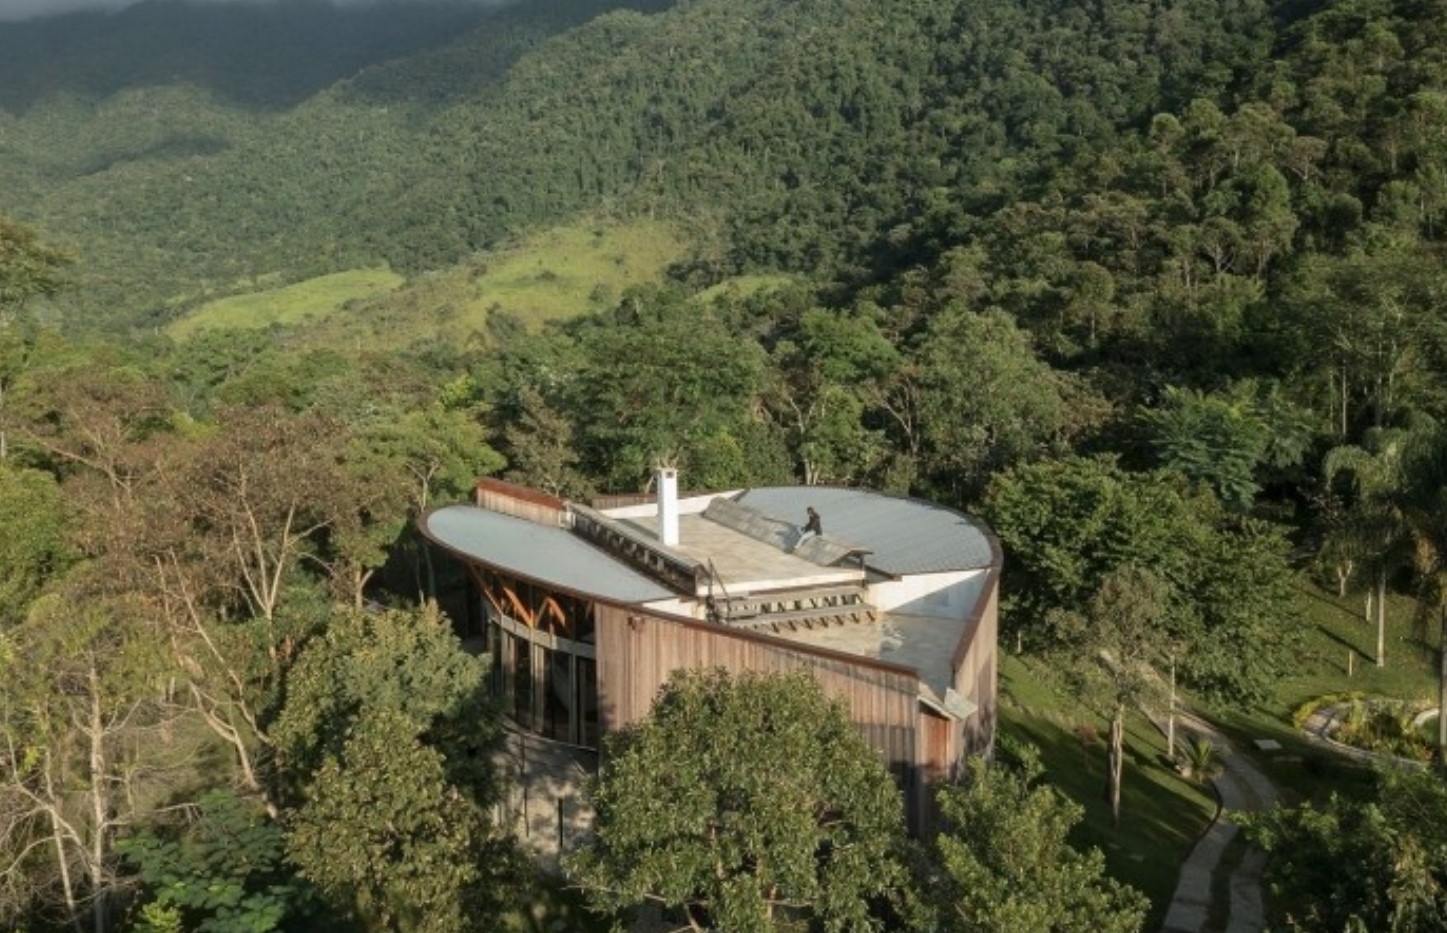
[(386, 737), (33, 538), (743, 802), (395, 467), (224, 871), (1394, 842), (1377, 527), (1110, 648), (987, 401), (1223, 440), (388, 839), (83, 754), (1006, 865), (687, 380), (1068, 525), (406, 661), (28, 267), (820, 371)]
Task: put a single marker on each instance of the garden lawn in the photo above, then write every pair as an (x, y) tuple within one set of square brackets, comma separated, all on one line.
[(1162, 815), (1329, 629)]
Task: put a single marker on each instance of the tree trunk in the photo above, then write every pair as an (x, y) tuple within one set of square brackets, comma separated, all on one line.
[(1171, 716), (67, 887), (1442, 686), (1115, 762), (99, 804), (1382, 618)]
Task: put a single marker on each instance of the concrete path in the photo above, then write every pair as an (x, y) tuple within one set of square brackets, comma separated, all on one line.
[(1241, 787)]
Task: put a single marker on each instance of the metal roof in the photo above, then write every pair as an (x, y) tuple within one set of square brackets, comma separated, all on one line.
[(543, 553), (906, 535)]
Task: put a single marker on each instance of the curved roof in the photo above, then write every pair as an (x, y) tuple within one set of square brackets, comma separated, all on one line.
[(544, 553), (905, 535)]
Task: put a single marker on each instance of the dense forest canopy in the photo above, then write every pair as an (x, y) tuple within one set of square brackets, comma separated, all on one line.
[(1156, 287)]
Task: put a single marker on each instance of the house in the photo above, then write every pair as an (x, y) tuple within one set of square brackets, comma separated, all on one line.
[(889, 601)]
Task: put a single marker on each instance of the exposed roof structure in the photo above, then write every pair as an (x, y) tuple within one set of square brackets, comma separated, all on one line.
[(905, 536), (545, 553)]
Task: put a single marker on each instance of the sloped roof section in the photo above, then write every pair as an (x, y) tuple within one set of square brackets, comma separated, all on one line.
[(906, 536), (544, 553)]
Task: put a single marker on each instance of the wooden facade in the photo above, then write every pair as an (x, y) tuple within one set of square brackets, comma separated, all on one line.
[(639, 650), (573, 666)]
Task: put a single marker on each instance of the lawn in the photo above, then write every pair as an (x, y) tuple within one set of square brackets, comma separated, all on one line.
[(292, 304), (1161, 814), (1330, 628)]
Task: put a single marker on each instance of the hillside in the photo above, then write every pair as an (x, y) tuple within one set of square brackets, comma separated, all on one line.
[(838, 138)]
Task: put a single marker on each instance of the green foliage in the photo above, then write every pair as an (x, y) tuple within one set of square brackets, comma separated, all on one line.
[(387, 733), (28, 267), (387, 838), (408, 664), (1067, 526), (987, 401), (1375, 864), (745, 802), (1224, 440), (33, 538), (223, 873), (688, 381), (1201, 760), (1006, 864)]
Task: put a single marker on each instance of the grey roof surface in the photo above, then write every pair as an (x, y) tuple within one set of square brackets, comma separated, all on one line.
[(906, 535), (540, 552), (824, 550), (743, 562)]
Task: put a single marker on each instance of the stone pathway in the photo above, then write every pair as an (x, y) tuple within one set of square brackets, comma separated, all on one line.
[(1242, 787)]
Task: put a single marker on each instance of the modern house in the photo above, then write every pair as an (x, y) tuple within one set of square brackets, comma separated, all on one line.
[(889, 601)]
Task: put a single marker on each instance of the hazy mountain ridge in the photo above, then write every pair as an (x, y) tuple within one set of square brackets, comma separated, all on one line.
[(842, 139), (261, 55)]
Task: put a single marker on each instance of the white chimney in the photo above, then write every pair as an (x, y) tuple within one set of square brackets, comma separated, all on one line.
[(668, 506)]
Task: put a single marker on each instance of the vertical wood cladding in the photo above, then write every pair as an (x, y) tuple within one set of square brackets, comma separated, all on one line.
[(519, 501), (637, 652)]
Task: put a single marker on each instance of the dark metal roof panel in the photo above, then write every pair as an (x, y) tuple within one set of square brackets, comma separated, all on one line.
[(540, 552), (906, 535)]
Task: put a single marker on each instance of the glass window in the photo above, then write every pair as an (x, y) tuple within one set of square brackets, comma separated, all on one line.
[(494, 650), (586, 701), (522, 681), (582, 612), (557, 694)]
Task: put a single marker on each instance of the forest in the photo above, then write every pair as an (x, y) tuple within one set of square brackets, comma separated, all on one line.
[(1156, 289)]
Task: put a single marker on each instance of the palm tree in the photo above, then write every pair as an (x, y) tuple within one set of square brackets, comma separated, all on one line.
[(1202, 759), (1377, 525)]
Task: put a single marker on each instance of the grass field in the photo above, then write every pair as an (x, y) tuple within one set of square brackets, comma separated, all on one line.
[(1330, 628), (558, 273), (292, 304), (1162, 815), (744, 286), (571, 269)]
